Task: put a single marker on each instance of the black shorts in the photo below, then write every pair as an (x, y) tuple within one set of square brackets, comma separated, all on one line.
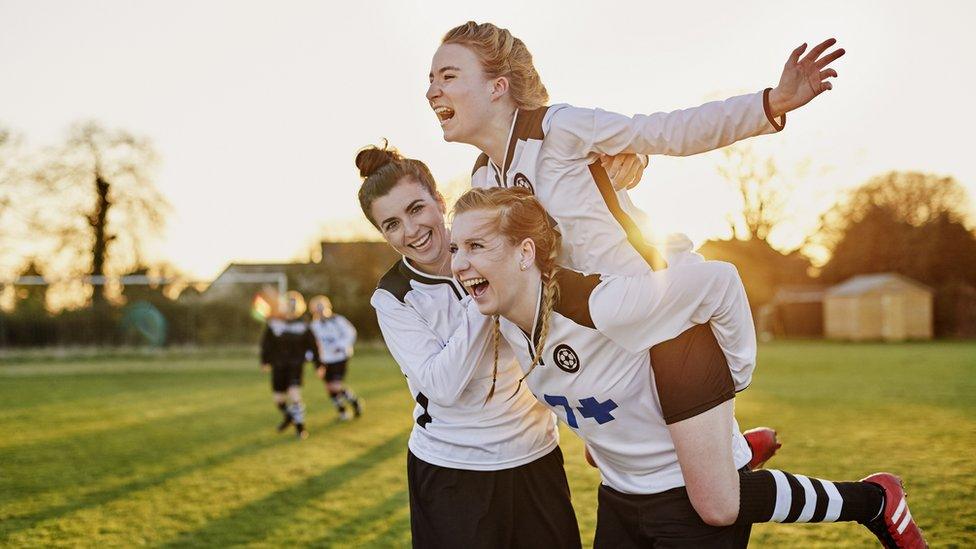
[(663, 521), (526, 506), (335, 371), (284, 376)]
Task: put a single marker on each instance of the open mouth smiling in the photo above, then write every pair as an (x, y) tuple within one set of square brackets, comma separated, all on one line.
[(422, 241), (476, 286), (444, 114)]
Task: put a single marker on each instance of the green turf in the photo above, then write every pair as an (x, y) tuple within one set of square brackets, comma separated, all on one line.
[(181, 451)]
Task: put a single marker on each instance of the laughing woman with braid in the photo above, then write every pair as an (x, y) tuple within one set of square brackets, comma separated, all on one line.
[(486, 92), (583, 343), (479, 473)]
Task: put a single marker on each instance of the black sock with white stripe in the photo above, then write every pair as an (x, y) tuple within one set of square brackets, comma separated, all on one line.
[(769, 495)]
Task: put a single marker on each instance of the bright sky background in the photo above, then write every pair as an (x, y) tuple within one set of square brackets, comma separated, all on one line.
[(258, 108)]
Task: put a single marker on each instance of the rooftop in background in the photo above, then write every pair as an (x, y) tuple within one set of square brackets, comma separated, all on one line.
[(863, 284)]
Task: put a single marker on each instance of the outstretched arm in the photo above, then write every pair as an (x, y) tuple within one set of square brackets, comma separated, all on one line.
[(580, 133)]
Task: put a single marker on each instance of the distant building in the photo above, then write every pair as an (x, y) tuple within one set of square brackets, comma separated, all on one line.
[(883, 306), (795, 311), (228, 283)]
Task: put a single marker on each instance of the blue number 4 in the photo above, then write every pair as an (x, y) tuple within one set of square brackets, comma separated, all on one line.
[(589, 408)]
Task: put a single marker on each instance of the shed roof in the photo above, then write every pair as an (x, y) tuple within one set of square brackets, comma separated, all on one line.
[(864, 284)]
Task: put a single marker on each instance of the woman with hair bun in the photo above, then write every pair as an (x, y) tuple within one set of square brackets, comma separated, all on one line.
[(480, 473), (595, 349)]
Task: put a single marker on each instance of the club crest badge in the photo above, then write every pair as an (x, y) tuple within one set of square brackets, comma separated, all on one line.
[(523, 182), (566, 358)]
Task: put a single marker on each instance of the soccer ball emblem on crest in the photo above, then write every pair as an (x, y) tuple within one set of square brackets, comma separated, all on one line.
[(566, 358), (523, 182)]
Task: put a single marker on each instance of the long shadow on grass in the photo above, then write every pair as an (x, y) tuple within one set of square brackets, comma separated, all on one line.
[(86, 458), (254, 520), (101, 497), (372, 518)]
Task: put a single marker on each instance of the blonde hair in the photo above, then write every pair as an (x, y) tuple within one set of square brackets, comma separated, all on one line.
[(293, 304), (502, 54), (320, 300), (521, 216)]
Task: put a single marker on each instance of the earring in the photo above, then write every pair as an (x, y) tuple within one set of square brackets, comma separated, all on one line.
[(522, 266)]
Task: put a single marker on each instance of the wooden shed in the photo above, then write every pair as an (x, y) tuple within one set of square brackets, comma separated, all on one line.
[(883, 306)]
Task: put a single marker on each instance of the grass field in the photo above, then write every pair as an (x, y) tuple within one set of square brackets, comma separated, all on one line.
[(181, 451)]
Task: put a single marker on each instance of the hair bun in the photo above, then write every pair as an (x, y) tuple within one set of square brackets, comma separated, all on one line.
[(372, 158)]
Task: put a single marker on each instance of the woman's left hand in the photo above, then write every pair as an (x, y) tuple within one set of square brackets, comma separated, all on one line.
[(803, 79), (625, 170)]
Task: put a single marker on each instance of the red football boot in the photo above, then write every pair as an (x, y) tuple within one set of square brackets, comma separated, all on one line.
[(762, 441), (895, 527)]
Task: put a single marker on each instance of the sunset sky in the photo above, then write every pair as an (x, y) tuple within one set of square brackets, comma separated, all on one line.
[(258, 108)]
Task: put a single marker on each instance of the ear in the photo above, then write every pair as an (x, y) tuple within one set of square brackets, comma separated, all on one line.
[(527, 247), (499, 88)]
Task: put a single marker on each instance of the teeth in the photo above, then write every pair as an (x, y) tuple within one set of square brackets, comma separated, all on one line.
[(420, 242), (444, 113), (472, 282)]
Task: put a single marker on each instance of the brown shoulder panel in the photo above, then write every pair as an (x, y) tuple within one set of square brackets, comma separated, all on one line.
[(528, 125), (574, 296), (481, 162), (691, 374)]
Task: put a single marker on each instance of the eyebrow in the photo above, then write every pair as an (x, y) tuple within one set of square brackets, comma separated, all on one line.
[(444, 69), (407, 209)]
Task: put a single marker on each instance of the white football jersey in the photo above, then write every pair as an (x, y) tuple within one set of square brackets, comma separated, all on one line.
[(554, 152), (336, 336), (595, 374), (444, 348)]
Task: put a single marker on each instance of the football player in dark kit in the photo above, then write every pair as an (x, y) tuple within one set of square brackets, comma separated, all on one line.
[(285, 346)]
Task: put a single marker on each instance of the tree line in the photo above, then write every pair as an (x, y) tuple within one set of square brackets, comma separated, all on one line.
[(88, 206)]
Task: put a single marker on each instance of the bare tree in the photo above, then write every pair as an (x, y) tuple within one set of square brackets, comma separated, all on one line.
[(102, 205), (763, 192)]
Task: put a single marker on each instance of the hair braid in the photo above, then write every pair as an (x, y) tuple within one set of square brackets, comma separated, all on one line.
[(521, 216), (550, 295), (496, 333)]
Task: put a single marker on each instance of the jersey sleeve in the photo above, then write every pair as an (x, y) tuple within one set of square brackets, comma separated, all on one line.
[(579, 132), (639, 312), (441, 369)]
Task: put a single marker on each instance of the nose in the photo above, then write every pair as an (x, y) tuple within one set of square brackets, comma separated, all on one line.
[(433, 91), (411, 228), (459, 263)]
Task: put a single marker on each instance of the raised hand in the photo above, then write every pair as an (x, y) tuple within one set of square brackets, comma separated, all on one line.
[(803, 79)]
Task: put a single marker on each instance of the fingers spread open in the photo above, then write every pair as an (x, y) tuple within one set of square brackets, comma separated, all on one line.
[(819, 49), (827, 74), (830, 58), (795, 56)]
